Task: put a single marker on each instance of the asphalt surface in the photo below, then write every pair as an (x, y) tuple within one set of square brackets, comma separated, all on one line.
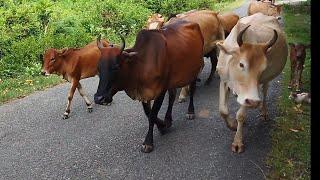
[(35, 143)]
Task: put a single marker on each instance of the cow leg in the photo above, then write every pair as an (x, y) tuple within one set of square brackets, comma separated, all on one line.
[(85, 97), (214, 60), (183, 94), (75, 83), (291, 77), (263, 106), (299, 82), (152, 118), (167, 123), (168, 117), (223, 106), (237, 145), (190, 114)]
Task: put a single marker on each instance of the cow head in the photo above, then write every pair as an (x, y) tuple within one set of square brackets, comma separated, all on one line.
[(52, 60), (244, 66), (274, 10), (109, 66), (298, 50), (155, 21)]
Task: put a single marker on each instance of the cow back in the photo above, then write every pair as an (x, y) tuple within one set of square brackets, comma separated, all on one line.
[(210, 25)]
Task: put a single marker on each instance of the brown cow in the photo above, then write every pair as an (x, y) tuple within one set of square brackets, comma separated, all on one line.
[(265, 8), (297, 58), (211, 29), (73, 64), (228, 21), (160, 60), (253, 54)]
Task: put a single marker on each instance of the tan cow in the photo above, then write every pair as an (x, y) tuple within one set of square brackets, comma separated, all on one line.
[(253, 54), (211, 29), (265, 8), (155, 21)]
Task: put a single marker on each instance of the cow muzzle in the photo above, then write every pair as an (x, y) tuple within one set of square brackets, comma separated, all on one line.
[(252, 103), (102, 100), (45, 73)]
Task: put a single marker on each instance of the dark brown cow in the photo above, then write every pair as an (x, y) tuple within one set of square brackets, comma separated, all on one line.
[(73, 64), (297, 58), (160, 60)]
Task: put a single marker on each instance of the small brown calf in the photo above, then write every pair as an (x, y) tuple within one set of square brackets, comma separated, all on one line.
[(297, 58), (73, 64)]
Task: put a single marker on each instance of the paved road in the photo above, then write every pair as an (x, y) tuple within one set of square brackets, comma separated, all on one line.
[(35, 143)]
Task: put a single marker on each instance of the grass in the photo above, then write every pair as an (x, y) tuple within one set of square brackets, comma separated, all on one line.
[(24, 85), (228, 6), (291, 138)]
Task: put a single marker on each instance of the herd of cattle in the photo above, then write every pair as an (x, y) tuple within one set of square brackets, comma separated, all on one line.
[(247, 53)]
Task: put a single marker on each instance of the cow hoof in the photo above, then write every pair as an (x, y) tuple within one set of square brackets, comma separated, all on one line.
[(146, 148), (237, 148), (89, 110), (298, 90), (190, 116), (289, 87), (181, 100), (65, 116)]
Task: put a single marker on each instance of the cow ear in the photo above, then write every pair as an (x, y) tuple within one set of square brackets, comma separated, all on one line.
[(65, 51), (41, 57), (224, 48)]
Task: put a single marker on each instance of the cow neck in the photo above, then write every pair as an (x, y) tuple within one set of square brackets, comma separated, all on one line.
[(65, 68)]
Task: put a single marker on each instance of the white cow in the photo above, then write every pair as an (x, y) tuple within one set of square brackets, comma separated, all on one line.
[(254, 53)]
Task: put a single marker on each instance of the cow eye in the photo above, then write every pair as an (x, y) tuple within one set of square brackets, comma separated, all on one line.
[(241, 65)]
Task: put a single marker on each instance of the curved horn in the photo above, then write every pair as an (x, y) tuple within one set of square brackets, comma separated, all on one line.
[(123, 44), (99, 43), (273, 40), (239, 38)]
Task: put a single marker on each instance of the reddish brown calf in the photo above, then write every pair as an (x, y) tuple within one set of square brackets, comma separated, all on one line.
[(73, 64), (297, 58)]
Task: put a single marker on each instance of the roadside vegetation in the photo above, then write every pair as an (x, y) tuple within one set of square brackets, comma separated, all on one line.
[(29, 27), (290, 156)]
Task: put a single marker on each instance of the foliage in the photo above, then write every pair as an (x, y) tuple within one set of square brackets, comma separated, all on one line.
[(29, 27)]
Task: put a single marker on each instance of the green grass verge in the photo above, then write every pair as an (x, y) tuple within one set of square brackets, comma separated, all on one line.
[(291, 138), (24, 85)]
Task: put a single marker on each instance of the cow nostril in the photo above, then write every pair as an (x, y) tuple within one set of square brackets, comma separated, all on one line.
[(247, 101)]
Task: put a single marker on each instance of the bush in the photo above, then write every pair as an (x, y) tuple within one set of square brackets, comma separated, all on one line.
[(29, 27)]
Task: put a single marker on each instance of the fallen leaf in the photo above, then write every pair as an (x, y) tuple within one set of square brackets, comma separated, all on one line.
[(294, 130), (204, 113)]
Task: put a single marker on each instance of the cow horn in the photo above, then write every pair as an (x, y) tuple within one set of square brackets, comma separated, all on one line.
[(123, 44), (239, 38), (99, 43), (273, 40)]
